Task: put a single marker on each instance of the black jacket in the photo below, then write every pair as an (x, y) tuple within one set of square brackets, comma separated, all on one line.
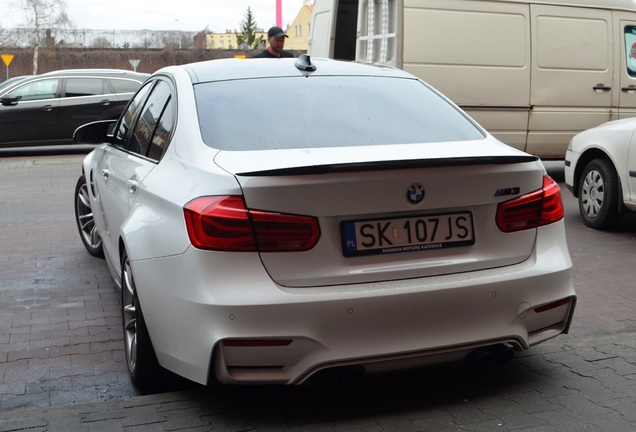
[(267, 54)]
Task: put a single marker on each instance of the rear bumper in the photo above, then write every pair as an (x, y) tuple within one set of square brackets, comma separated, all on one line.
[(194, 303), (279, 365)]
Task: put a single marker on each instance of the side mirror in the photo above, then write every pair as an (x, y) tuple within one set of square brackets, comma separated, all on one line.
[(10, 101), (94, 133)]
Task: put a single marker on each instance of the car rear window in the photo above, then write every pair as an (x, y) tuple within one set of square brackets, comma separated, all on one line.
[(124, 85), (314, 112)]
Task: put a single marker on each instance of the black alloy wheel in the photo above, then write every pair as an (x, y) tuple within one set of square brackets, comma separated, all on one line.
[(143, 368), (85, 220)]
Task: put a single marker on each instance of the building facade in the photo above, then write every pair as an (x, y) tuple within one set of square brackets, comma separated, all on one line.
[(297, 32), (229, 40)]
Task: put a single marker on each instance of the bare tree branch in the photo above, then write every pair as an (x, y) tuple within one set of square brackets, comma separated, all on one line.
[(42, 15)]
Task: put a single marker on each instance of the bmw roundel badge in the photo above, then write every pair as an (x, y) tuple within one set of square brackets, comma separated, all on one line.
[(415, 193)]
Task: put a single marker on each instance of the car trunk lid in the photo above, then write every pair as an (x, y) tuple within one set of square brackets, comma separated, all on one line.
[(390, 212)]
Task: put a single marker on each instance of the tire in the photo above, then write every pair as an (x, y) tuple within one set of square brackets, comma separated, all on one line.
[(599, 195), (85, 221), (143, 367)]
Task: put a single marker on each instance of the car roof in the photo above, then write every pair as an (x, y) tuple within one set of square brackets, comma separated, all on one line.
[(12, 83), (111, 73), (233, 69), (13, 80)]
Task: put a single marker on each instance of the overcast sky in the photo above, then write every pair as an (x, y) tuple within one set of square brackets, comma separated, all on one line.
[(184, 15)]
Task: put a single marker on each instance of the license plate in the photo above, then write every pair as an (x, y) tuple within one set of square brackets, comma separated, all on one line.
[(409, 234)]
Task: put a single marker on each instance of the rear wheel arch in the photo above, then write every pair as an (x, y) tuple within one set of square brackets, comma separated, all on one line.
[(581, 164), (84, 218), (121, 250)]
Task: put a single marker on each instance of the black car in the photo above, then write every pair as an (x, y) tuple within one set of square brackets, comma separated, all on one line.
[(46, 109)]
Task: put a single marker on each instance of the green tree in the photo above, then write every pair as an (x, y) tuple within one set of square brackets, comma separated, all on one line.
[(247, 35)]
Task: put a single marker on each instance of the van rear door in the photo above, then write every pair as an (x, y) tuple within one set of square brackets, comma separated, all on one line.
[(572, 75), (478, 54), (625, 63), (322, 28)]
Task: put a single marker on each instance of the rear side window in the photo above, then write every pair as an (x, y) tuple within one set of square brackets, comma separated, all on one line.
[(314, 112), (146, 125), (76, 87), (147, 135), (132, 111), (163, 131), (124, 85)]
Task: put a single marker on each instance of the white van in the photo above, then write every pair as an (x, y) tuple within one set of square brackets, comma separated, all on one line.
[(532, 72)]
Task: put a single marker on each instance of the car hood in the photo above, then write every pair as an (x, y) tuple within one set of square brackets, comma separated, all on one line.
[(615, 135), (627, 123)]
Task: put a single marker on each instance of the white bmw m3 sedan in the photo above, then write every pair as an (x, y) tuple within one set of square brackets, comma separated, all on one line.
[(289, 220)]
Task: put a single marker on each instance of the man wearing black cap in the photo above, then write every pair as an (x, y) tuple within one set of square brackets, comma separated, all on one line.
[(276, 40)]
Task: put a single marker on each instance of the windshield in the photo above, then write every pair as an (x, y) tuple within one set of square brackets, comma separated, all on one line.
[(315, 112)]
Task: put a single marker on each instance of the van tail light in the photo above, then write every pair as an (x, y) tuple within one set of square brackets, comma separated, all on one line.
[(224, 223), (535, 209)]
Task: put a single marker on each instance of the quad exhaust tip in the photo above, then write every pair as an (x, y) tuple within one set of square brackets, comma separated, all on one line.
[(353, 377), (347, 377), (498, 355)]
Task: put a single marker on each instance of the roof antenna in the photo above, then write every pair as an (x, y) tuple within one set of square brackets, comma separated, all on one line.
[(303, 63)]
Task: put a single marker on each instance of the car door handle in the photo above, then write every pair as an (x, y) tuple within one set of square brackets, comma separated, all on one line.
[(132, 185), (48, 108), (106, 173), (601, 88), (630, 89), (104, 102)]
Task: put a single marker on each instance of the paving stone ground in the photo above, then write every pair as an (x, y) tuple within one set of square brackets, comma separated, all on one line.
[(62, 363)]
